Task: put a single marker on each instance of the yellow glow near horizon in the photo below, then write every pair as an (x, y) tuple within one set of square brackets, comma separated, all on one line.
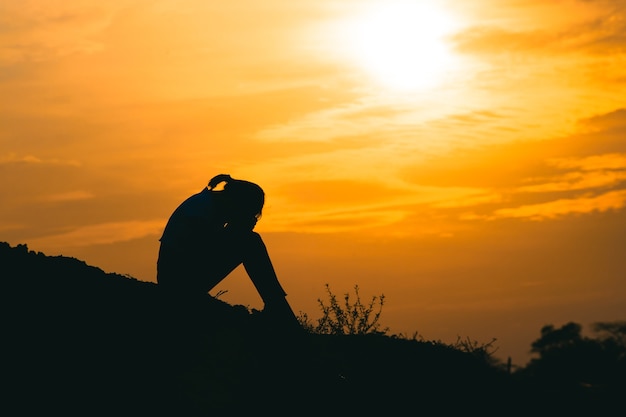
[(401, 43)]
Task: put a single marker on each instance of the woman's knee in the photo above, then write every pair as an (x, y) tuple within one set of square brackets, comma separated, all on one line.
[(251, 241), (256, 238)]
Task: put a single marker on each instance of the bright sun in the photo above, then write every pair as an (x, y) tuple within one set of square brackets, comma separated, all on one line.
[(401, 43)]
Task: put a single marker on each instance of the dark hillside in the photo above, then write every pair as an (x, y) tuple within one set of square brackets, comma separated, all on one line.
[(79, 341)]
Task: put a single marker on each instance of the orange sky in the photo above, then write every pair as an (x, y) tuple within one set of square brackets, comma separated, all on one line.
[(466, 158)]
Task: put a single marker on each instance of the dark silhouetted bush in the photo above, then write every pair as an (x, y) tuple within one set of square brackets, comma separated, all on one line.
[(351, 317)]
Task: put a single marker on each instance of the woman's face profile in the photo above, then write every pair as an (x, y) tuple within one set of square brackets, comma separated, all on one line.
[(243, 224), (244, 202), (241, 218)]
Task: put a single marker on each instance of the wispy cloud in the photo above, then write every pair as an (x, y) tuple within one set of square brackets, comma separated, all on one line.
[(355, 219), (475, 198), (592, 163), (357, 118), (576, 181), (100, 234), (601, 177), (6, 227), (14, 158), (602, 31), (40, 32), (67, 196), (336, 206), (596, 171), (597, 174), (613, 200)]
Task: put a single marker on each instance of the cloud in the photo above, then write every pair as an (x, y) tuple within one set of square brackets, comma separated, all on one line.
[(612, 200), (493, 39), (344, 205), (592, 163), (603, 177), (539, 180), (576, 181), (339, 192), (598, 171), (354, 219), (376, 117), (67, 196), (26, 178), (352, 119), (475, 198), (13, 158), (7, 227), (602, 32), (100, 234), (32, 31), (535, 179), (614, 121)]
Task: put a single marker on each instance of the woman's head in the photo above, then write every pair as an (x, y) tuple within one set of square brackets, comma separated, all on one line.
[(246, 198)]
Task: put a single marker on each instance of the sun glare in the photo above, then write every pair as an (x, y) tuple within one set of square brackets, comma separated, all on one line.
[(401, 43)]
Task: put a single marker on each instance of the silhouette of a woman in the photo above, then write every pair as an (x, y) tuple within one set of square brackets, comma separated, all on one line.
[(210, 234)]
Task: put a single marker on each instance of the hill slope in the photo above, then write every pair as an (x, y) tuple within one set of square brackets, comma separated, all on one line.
[(84, 342)]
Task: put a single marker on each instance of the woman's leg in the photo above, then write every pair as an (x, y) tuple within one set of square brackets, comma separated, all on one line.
[(236, 249), (198, 271), (201, 269), (193, 270), (258, 265), (259, 268)]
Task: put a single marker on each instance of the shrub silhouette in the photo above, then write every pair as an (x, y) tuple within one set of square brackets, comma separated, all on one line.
[(349, 318), (612, 332), (567, 359)]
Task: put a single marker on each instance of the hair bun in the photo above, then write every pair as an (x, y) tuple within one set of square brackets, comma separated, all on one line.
[(218, 179)]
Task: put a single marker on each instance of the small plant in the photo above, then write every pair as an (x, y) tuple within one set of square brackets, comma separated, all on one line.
[(484, 351), (219, 294), (347, 317)]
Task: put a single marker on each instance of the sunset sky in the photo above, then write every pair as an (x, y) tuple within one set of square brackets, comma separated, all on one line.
[(465, 158)]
